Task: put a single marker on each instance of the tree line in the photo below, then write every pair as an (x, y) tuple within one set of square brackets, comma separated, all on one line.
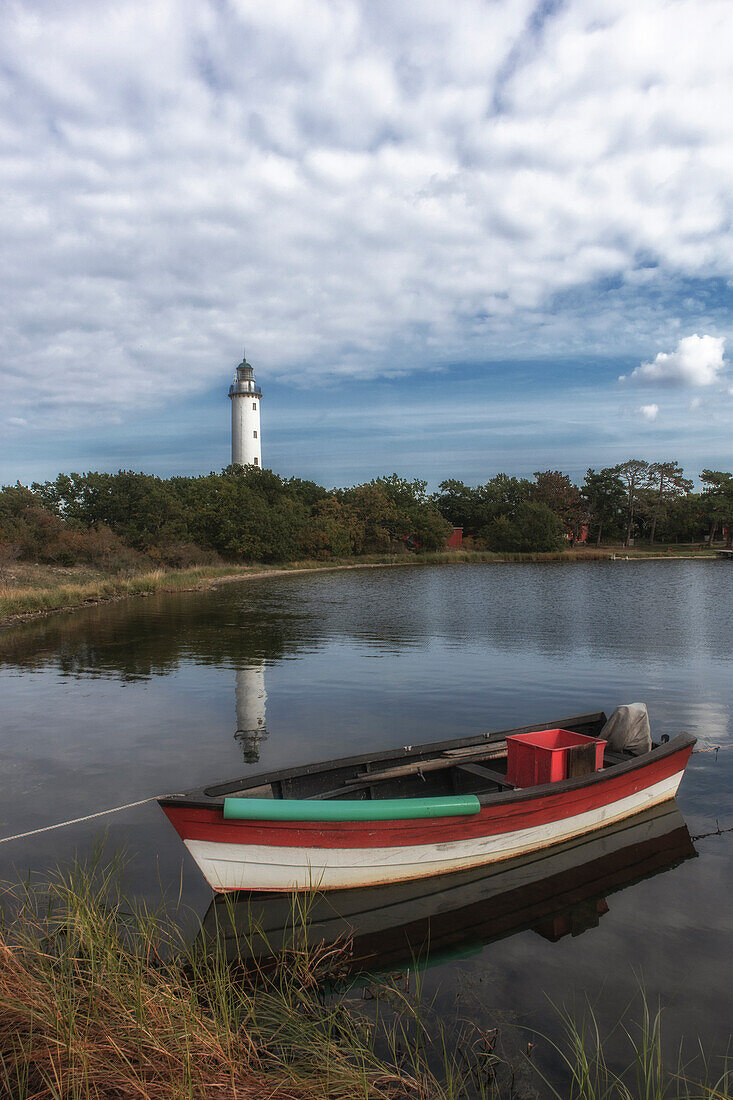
[(634, 501), (242, 513), (250, 514)]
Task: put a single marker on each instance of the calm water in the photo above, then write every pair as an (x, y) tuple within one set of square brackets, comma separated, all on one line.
[(121, 702)]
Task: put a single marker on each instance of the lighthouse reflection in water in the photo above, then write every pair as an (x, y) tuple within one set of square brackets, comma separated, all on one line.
[(251, 706)]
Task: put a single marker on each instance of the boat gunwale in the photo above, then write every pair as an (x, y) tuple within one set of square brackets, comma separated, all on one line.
[(210, 797)]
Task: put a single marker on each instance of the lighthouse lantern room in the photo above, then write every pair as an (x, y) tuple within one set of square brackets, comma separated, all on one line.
[(245, 396)]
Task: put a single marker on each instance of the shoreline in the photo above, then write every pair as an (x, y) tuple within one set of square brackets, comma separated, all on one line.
[(19, 604)]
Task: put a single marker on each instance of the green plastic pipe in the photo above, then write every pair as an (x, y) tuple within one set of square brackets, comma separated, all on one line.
[(378, 809)]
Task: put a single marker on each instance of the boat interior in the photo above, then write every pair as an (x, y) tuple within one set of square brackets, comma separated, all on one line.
[(473, 765)]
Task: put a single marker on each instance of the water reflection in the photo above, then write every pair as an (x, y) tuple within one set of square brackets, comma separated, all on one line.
[(141, 639), (251, 705), (623, 612), (560, 892)]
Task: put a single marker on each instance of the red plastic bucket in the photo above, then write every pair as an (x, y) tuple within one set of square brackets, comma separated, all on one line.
[(543, 756)]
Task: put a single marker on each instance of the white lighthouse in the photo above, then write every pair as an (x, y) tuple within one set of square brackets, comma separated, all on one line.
[(245, 396)]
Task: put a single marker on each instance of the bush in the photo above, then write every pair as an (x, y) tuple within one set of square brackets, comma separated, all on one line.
[(183, 555), (532, 528)]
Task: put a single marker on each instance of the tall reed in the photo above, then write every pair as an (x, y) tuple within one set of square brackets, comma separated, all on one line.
[(644, 1073)]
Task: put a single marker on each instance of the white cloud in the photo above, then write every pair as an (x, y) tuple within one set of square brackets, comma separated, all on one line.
[(649, 412), (358, 188), (17, 421), (696, 361)]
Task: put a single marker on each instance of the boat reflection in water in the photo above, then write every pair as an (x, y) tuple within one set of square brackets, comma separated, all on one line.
[(555, 892)]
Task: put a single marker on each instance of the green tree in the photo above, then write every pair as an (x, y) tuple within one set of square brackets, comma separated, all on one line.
[(636, 478), (394, 508), (331, 531), (456, 503), (668, 482), (562, 497), (475, 508), (31, 529), (28, 529), (605, 496), (532, 528), (380, 520), (426, 523), (507, 493), (405, 494), (718, 502), (139, 507), (684, 519)]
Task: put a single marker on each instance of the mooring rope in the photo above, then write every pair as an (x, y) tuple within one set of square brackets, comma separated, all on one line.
[(717, 831), (77, 820)]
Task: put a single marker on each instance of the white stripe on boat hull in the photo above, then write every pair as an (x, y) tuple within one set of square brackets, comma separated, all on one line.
[(269, 867)]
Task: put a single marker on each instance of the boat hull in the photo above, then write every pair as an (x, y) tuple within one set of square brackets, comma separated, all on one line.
[(288, 856)]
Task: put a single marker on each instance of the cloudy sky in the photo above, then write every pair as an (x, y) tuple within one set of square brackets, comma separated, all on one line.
[(455, 236)]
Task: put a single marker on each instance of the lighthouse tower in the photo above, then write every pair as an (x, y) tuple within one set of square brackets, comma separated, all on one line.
[(245, 396)]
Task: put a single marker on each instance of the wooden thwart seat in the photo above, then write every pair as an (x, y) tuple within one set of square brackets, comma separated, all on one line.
[(449, 759), (487, 773)]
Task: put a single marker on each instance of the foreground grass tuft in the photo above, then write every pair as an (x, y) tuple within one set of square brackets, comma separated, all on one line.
[(645, 1074), (101, 999)]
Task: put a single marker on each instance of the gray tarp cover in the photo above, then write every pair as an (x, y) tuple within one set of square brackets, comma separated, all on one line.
[(627, 730)]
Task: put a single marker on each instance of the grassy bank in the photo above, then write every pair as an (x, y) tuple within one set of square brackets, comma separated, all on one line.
[(29, 589), (38, 589), (98, 1000), (101, 999)]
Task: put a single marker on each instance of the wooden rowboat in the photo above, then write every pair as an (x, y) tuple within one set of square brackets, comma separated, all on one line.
[(414, 812)]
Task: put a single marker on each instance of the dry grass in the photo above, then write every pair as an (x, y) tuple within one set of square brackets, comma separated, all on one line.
[(98, 1001), (26, 574), (57, 594)]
